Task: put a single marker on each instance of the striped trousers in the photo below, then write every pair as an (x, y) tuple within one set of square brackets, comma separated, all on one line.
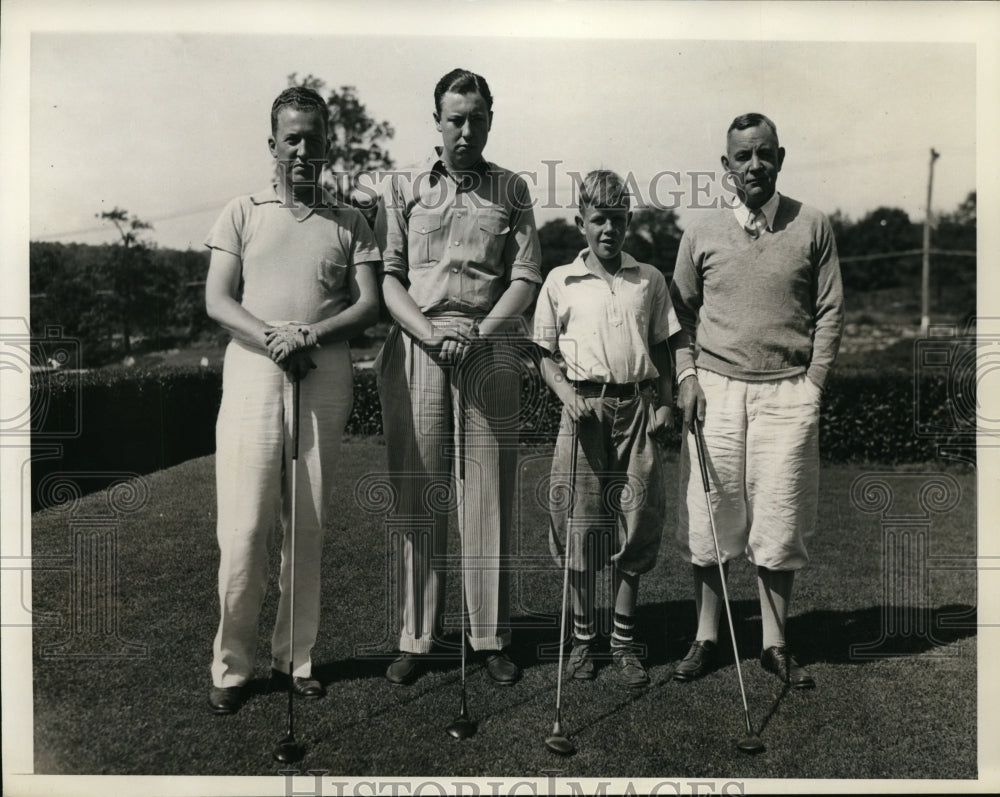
[(253, 479), (425, 409)]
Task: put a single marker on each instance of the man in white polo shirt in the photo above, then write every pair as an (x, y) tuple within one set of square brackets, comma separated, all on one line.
[(292, 278)]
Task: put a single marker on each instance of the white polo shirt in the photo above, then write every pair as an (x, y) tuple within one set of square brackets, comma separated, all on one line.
[(605, 331)]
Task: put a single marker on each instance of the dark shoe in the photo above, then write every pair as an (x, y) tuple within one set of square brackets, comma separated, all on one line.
[(629, 668), (699, 661), (303, 687), (405, 669), (226, 699), (500, 667), (581, 661), (782, 663)]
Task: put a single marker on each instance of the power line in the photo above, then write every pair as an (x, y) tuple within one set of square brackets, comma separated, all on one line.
[(167, 217)]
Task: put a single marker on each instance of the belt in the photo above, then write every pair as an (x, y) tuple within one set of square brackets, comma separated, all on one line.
[(617, 390)]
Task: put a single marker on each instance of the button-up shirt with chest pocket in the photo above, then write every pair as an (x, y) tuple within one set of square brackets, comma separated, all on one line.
[(458, 241)]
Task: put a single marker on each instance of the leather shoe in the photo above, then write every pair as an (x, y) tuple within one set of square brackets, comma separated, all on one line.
[(226, 699), (699, 661), (405, 669), (303, 687), (781, 662), (629, 668), (581, 661), (500, 667)]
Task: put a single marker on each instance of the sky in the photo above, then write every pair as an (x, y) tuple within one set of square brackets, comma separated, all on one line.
[(172, 125)]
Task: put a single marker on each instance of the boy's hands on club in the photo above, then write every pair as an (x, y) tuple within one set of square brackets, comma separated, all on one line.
[(577, 407), (663, 422)]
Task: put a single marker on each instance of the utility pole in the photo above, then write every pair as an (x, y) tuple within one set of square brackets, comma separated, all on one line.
[(925, 277)]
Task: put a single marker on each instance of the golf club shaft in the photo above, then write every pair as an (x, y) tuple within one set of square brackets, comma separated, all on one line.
[(566, 553), (461, 548), (703, 465), (291, 588)]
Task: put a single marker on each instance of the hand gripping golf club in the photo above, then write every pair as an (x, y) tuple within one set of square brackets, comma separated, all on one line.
[(557, 741), (462, 727), (751, 743), (288, 751)]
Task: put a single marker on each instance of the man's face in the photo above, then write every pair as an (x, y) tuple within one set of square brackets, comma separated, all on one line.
[(299, 145), (604, 229), (464, 124), (754, 159)]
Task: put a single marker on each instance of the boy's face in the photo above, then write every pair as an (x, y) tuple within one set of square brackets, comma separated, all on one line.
[(604, 229)]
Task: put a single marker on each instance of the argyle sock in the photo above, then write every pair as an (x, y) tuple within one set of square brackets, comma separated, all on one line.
[(775, 590)]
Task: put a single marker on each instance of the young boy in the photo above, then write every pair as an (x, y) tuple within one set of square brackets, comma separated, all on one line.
[(608, 319)]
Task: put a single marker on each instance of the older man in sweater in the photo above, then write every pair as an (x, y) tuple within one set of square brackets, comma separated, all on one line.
[(757, 287)]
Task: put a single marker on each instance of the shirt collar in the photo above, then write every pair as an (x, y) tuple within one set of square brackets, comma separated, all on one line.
[(436, 164), (276, 193), (578, 268), (769, 209)]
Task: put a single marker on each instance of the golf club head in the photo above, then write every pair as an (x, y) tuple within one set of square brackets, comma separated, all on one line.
[(288, 751), (461, 727), (751, 744), (560, 745)]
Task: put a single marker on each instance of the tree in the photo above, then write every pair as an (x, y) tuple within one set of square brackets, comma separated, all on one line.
[(654, 237), (561, 242), (357, 141), (134, 295), (884, 230)]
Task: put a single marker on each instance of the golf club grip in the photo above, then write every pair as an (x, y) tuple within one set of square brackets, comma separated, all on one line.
[(702, 457), (295, 417)]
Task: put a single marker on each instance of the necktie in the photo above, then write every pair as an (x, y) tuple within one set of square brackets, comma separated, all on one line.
[(753, 224)]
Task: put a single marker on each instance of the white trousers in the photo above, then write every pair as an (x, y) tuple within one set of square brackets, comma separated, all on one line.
[(253, 480), (763, 467)]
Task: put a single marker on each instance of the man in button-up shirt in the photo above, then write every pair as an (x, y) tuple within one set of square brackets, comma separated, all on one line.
[(461, 266)]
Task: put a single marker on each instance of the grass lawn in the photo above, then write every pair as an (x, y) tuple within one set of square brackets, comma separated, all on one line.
[(904, 709)]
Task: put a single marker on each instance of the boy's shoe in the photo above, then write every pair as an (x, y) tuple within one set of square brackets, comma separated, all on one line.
[(782, 663), (581, 661), (629, 668), (700, 659)]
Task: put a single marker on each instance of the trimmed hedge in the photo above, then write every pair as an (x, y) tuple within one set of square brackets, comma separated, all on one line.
[(135, 421)]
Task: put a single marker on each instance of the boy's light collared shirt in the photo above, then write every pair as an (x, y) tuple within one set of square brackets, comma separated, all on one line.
[(605, 332), (458, 250)]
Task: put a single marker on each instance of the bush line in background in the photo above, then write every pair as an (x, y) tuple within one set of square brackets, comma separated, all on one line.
[(115, 421)]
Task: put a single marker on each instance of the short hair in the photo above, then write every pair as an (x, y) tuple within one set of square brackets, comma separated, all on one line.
[(462, 81), (602, 188), (299, 98), (748, 120)]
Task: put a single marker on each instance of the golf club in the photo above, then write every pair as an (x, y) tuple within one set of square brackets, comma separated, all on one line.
[(462, 727), (557, 741), (288, 750), (751, 743)]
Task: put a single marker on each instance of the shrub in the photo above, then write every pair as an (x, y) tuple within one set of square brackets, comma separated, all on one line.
[(138, 421)]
